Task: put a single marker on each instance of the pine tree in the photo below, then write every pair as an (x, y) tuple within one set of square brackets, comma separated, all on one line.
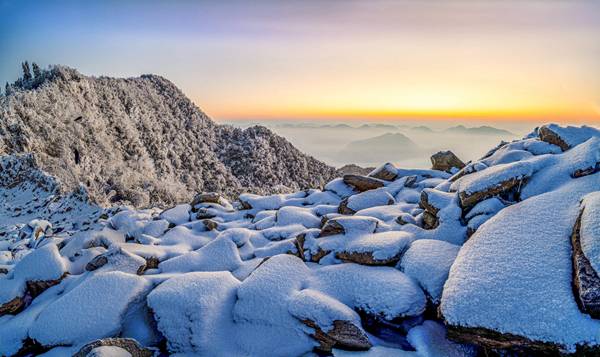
[(37, 73), (26, 71), (7, 89)]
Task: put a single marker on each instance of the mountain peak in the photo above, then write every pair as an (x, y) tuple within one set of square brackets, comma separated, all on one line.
[(141, 140)]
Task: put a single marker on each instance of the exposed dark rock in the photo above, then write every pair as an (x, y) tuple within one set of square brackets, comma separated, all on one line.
[(586, 282), (467, 201), (210, 224), (13, 306), (96, 263), (331, 227), (344, 335), (385, 172), (318, 255), (366, 258), (344, 209), (36, 287), (587, 171), (510, 344), (548, 135), (362, 183), (445, 161)]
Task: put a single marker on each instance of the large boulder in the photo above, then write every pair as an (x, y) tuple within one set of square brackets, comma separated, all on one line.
[(92, 310), (566, 137), (362, 183), (446, 161)]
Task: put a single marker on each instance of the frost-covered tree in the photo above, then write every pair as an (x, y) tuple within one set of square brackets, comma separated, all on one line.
[(141, 140), (6, 89), (37, 72), (26, 71)]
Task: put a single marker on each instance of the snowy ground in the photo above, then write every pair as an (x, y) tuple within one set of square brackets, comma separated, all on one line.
[(361, 265)]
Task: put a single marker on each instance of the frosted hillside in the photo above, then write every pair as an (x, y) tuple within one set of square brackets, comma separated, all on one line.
[(141, 141), (495, 257)]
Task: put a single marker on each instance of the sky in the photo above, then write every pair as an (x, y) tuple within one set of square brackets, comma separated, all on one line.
[(331, 59)]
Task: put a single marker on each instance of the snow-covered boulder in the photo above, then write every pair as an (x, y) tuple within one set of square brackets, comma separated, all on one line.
[(387, 172), (114, 347), (566, 137), (363, 183), (364, 200), (93, 309), (428, 261), (526, 248)]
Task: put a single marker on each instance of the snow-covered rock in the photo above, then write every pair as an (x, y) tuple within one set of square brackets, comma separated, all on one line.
[(507, 248)]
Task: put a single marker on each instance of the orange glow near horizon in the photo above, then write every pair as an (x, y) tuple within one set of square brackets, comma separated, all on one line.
[(432, 60)]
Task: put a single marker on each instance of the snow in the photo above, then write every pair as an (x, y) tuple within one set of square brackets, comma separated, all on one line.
[(42, 264), (429, 339), (253, 284), (178, 214), (201, 325), (297, 215), (381, 291), (428, 261), (493, 176), (383, 245), (490, 206), (526, 249), (371, 198), (357, 224), (219, 254), (92, 310)]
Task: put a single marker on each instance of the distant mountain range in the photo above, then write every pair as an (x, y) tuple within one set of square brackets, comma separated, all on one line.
[(459, 129), (480, 130), (386, 147)]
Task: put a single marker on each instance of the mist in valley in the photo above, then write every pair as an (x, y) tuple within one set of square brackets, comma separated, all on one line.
[(407, 144)]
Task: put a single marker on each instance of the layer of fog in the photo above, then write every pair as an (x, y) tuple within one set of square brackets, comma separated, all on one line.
[(406, 144)]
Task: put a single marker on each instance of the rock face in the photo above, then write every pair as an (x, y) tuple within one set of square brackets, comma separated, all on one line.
[(550, 136), (344, 335), (362, 183), (586, 281), (445, 161), (140, 140)]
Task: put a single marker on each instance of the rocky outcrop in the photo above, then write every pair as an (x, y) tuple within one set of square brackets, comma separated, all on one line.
[(586, 281), (387, 172), (362, 183), (331, 227), (366, 258), (506, 342), (344, 335), (468, 200), (446, 161), (13, 306), (552, 137)]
